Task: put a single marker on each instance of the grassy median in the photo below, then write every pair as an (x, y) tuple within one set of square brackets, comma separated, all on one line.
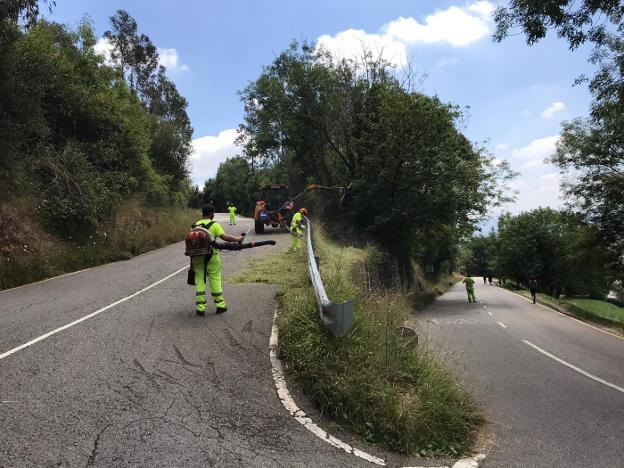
[(373, 380)]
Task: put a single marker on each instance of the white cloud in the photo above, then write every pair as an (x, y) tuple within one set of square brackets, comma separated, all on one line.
[(353, 44), (166, 57), (538, 149), (554, 108), (170, 58), (210, 151), (457, 26), (103, 47), (447, 62), (539, 182)]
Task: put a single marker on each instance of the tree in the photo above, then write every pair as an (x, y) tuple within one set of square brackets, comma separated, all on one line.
[(235, 183), (590, 152), (563, 252), (418, 182), (14, 10), (137, 58), (575, 21)]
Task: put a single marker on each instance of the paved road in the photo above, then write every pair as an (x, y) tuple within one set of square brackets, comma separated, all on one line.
[(146, 382), (544, 413)]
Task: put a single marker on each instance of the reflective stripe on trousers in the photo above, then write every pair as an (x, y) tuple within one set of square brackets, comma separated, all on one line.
[(213, 277)]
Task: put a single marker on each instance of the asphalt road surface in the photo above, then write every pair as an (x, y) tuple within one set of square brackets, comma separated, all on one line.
[(552, 387), (146, 382)]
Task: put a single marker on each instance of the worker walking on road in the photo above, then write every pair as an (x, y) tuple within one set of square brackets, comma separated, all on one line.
[(470, 289), (296, 230), (208, 267), (232, 211), (533, 288)]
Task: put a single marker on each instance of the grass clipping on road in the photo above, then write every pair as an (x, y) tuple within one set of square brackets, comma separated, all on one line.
[(373, 380)]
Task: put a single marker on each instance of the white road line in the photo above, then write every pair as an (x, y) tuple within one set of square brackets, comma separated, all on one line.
[(502, 324), (87, 317), (489, 313), (574, 368)]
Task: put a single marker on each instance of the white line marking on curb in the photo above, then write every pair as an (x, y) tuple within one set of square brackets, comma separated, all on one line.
[(574, 368), (502, 324), (485, 307), (300, 416), (489, 313), (87, 317)]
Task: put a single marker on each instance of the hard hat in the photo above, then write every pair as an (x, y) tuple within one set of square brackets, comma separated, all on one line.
[(303, 211)]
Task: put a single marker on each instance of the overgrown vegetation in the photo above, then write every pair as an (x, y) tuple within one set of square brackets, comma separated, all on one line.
[(29, 253), (83, 137), (373, 380)]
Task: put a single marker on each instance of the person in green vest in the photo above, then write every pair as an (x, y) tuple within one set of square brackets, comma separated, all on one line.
[(470, 288), (296, 230), (232, 211), (210, 271)]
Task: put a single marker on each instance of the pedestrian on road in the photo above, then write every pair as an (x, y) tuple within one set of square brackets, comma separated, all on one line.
[(232, 211), (490, 278), (484, 279), (296, 230), (533, 288), (470, 288), (210, 268)]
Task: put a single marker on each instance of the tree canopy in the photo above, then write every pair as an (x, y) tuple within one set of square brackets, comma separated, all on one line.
[(334, 122), (79, 134)]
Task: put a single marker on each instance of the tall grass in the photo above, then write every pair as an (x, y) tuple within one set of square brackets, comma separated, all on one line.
[(29, 253), (373, 380)]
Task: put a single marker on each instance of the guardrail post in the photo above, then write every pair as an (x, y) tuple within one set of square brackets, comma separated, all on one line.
[(337, 317)]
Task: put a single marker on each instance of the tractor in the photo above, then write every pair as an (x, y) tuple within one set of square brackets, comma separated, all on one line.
[(274, 206)]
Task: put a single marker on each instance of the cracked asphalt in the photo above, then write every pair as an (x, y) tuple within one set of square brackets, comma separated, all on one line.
[(147, 382)]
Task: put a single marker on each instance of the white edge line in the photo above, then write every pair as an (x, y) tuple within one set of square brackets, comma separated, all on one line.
[(550, 309), (502, 324), (301, 417), (573, 367), (489, 313), (87, 317)]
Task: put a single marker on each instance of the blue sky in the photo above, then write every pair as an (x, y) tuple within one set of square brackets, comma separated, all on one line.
[(518, 95)]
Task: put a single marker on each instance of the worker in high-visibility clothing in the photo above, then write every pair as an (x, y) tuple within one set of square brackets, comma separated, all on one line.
[(296, 230), (212, 266), (232, 211), (469, 282)]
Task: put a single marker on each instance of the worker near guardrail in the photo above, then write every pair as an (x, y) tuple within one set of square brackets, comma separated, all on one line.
[(232, 212), (469, 282), (212, 271), (296, 230)]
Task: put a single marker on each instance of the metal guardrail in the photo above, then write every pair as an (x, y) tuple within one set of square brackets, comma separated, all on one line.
[(337, 317)]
